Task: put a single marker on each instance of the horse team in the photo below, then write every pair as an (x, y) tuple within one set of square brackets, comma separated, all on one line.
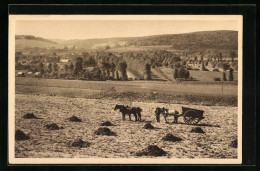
[(136, 111)]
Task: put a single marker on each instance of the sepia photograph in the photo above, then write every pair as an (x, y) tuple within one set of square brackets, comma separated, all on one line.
[(125, 89)]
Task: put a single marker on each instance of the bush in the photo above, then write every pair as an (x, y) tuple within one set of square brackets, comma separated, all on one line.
[(152, 150), (231, 78), (147, 73), (216, 79), (187, 75), (175, 73), (224, 78), (181, 73), (191, 78)]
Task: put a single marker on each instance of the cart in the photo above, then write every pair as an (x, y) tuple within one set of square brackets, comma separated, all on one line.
[(190, 116)]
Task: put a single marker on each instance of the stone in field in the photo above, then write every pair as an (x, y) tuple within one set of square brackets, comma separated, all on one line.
[(233, 144), (52, 126), (20, 135), (105, 131), (80, 143), (197, 130), (172, 138), (30, 116), (148, 126), (107, 123), (75, 119), (152, 150)]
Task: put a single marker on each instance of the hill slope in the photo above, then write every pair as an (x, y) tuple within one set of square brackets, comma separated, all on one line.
[(196, 40), (23, 41), (188, 41)]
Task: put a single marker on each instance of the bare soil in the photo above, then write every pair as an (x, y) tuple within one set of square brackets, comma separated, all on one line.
[(220, 126)]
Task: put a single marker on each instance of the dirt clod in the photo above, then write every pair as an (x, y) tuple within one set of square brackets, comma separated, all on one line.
[(148, 126), (107, 123), (30, 116), (170, 137), (151, 150), (197, 130), (75, 119), (20, 135), (233, 144), (52, 126), (80, 143), (105, 131)]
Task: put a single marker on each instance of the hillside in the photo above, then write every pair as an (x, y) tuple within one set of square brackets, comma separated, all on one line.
[(23, 41), (197, 40), (224, 40)]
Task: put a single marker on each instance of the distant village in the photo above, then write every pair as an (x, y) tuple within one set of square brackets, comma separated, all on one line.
[(72, 63)]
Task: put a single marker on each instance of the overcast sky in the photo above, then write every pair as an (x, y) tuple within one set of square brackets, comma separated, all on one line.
[(88, 29)]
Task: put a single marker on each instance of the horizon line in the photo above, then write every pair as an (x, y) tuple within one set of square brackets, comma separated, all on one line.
[(121, 37)]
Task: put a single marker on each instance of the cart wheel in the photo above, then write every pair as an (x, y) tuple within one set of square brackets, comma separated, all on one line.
[(189, 117)]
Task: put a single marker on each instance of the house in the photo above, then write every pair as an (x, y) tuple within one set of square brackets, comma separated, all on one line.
[(29, 73), (65, 60), (37, 74), (20, 74)]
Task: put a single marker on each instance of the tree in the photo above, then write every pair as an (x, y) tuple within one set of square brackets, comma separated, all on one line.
[(50, 68), (187, 75), (224, 78), (90, 62), (175, 73), (219, 56), (78, 66), (105, 67), (122, 69), (232, 55), (55, 67), (112, 70), (71, 67), (42, 71), (202, 67), (147, 73), (181, 73), (231, 78), (176, 65), (225, 66), (66, 67), (117, 75), (201, 58), (41, 65), (183, 63)]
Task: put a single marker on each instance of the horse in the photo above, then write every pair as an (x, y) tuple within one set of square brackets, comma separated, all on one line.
[(165, 113), (137, 111), (159, 111), (174, 112), (126, 110)]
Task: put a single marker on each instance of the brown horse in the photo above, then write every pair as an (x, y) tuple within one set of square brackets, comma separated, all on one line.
[(126, 110)]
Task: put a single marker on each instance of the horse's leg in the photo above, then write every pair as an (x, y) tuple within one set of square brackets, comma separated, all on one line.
[(176, 119), (129, 116), (157, 117), (135, 116), (139, 115), (165, 118), (123, 116)]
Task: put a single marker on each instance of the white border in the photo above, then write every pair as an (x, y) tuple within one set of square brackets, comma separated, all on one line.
[(11, 91)]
